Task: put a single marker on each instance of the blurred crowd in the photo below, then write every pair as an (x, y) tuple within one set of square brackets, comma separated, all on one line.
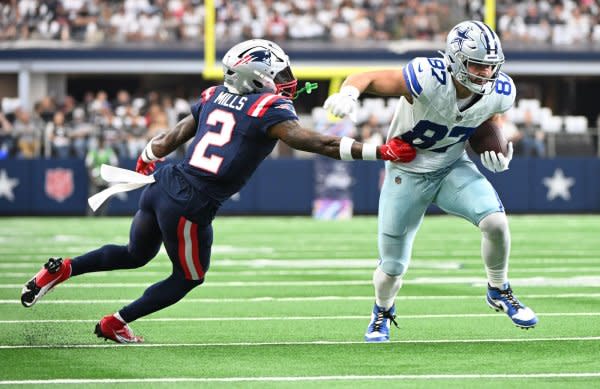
[(108, 21), (559, 22), (556, 22), (70, 129)]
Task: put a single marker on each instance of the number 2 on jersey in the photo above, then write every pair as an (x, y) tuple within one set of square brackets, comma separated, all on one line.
[(221, 138)]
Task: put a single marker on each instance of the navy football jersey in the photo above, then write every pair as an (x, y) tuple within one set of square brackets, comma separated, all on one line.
[(231, 139)]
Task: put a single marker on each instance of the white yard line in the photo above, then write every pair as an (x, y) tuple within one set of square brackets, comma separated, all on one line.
[(81, 381), (442, 262), (340, 272), (307, 298), (296, 318), (307, 343), (572, 282)]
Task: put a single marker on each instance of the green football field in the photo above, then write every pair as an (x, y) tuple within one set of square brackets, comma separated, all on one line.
[(287, 300)]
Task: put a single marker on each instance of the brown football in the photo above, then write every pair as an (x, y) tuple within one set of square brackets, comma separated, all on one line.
[(488, 137)]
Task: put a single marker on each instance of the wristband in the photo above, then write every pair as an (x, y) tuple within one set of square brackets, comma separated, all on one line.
[(346, 148), (148, 155), (369, 152)]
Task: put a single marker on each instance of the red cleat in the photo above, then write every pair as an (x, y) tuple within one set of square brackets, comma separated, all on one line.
[(54, 272), (109, 327)]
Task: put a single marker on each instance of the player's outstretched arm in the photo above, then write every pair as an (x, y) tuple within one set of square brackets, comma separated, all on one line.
[(163, 144), (344, 148), (380, 82)]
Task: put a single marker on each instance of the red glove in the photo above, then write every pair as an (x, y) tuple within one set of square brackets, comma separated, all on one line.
[(397, 150), (145, 168)]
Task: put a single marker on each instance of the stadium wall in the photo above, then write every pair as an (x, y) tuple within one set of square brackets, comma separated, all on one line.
[(60, 187)]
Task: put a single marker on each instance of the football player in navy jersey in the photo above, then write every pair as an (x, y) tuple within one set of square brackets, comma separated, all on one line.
[(234, 126)]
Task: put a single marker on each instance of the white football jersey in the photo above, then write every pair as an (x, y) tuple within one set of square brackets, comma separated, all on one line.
[(433, 124)]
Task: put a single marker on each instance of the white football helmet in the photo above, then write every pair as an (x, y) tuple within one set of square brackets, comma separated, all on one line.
[(258, 65), (474, 42)]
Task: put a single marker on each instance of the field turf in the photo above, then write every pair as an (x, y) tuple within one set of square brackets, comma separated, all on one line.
[(287, 300)]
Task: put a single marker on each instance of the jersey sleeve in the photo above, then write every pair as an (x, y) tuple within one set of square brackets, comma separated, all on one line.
[(204, 97), (272, 109), (423, 75), (507, 92)]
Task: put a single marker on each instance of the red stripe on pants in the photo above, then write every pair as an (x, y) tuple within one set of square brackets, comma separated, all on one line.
[(181, 247)]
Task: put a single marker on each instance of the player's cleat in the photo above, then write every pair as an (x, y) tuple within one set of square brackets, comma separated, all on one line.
[(379, 327), (504, 300), (111, 328), (53, 273)]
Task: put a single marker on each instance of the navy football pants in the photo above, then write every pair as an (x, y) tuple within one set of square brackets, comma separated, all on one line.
[(159, 220)]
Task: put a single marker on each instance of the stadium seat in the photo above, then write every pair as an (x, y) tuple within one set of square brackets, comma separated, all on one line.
[(576, 124), (10, 104), (552, 124)]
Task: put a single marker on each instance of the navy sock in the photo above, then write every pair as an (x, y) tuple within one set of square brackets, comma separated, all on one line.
[(158, 296), (109, 257)]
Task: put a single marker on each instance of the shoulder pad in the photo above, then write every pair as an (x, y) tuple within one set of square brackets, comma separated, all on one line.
[(207, 93), (424, 75), (266, 101), (506, 91)]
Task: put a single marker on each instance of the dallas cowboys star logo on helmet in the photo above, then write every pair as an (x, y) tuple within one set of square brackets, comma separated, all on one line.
[(461, 37)]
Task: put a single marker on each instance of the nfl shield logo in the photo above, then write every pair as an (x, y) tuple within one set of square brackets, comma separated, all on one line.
[(59, 184)]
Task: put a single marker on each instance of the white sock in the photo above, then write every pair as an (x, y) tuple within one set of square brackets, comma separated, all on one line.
[(386, 288), (495, 248), (118, 316)]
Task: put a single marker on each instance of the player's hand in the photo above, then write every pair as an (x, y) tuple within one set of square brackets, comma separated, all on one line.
[(497, 162), (397, 150), (343, 103), (145, 168)]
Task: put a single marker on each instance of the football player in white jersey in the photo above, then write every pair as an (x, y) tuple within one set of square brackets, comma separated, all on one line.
[(442, 101)]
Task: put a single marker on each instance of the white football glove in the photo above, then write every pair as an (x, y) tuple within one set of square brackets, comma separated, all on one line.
[(497, 162), (343, 103)]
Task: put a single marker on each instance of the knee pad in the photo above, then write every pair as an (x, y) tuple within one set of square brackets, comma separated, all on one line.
[(494, 224), (393, 268)]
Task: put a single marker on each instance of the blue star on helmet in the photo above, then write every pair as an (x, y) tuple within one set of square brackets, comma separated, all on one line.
[(461, 37)]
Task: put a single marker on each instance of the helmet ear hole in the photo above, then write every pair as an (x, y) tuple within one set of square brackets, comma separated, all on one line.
[(257, 84)]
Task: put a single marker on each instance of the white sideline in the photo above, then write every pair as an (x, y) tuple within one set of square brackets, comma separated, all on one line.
[(295, 318), (80, 381), (307, 298), (307, 343)]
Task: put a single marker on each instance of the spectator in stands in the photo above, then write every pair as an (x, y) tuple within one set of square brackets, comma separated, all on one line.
[(533, 139), (58, 137), (7, 143), (511, 25), (28, 134), (82, 130), (102, 154), (371, 131)]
